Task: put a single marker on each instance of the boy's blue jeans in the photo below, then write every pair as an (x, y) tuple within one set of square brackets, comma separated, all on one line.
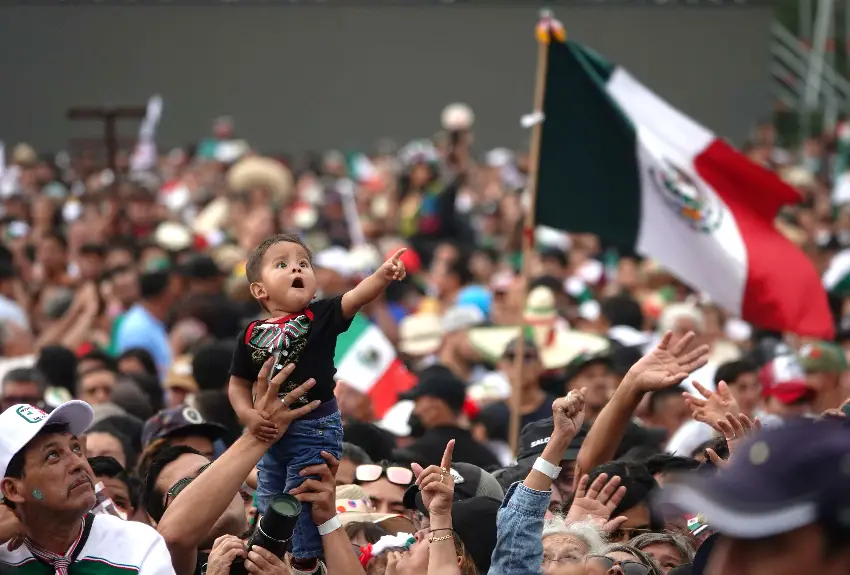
[(300, 447)]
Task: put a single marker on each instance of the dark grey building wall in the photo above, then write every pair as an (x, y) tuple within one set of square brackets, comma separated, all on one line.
[(299, 77)]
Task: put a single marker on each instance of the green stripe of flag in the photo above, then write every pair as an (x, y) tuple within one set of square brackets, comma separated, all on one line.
[(346, 340), (588, 177)]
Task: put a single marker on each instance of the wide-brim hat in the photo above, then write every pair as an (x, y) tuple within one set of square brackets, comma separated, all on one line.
[(255, 171)]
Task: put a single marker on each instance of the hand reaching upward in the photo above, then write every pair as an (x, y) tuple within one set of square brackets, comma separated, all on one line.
[(669, 363)]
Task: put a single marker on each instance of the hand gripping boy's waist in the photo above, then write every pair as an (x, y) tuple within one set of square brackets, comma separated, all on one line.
[(325, 409)]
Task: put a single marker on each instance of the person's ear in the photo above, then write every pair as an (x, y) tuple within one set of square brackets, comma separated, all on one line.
[(13, 490), (258, 291)]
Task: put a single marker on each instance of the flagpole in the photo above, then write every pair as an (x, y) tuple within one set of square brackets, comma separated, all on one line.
[(548, 30)]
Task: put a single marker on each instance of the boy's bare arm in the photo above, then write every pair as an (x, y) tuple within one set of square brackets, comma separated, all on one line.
[(370, 288), (239, 392)]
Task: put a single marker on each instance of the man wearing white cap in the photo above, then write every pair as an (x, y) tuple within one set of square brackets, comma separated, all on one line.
[(48, 492)]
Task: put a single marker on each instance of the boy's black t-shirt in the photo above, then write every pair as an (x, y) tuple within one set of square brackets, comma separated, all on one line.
[(307, 338)]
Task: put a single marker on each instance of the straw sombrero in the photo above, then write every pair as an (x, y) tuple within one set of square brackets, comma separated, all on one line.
[(557, 344), (258, 172)]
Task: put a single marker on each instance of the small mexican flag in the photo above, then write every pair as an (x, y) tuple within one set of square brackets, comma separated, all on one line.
[(618, 161), (366, 360)]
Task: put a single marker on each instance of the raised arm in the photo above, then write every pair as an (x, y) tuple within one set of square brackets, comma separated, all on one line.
[(370, 288), (666, 365)]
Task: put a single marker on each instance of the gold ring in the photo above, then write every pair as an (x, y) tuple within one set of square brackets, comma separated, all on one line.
[(442, 475)]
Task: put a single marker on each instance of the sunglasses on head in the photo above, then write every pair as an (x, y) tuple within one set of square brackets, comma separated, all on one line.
[(178, 487), (628, 567), (394, 474)]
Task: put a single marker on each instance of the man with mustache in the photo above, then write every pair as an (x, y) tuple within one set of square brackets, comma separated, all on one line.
[(46, 527)]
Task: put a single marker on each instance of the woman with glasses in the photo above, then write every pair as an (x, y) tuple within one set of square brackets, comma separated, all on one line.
[(620, 559), (669, 550), (568, 543), (385, 484)]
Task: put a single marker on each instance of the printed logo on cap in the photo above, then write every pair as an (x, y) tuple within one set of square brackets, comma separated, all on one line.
[(458, 478), (192, 416), (30, 414), (538, 442)]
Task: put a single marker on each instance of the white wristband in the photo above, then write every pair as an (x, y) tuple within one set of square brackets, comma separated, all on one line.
[(547, 469), (329, 526)]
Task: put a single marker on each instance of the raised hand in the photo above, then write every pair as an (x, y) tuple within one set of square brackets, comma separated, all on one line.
[(393, 269), (436, 484), (597, 502), (568, 413), (276, 410), (668, 364), (735, 428), (713, 405), (320, 493)]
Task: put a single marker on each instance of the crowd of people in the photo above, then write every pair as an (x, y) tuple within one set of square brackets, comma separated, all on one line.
[(169, 407)]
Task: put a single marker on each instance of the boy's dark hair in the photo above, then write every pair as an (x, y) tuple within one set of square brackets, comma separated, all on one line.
[(154, 284), (255, 260), (732, 370), (106, 466), (109, 428), (156, 463), (622, 310), (143, 356), (656, 397), (27, 374)]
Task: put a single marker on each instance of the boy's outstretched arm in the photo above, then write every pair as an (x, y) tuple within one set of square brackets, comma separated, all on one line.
[(239, 393), (370, 288)]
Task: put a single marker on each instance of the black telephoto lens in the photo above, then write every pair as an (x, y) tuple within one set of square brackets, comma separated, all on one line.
[(274, 530)]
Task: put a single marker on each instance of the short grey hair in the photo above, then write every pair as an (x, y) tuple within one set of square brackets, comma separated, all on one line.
[(355, 453), (676, 311), (585, 531), (642, 557), (681, 543)]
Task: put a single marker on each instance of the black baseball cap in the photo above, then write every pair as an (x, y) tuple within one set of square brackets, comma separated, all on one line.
[(779, 480), (437, 381), (584, 360), (534, 437), (470, 481), (180, 422), (474, 520)]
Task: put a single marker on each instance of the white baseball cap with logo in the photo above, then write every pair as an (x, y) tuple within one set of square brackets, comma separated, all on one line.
[(20, 423)]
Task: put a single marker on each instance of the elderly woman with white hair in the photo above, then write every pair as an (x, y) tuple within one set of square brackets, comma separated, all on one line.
[(565, 543), (668, 549)]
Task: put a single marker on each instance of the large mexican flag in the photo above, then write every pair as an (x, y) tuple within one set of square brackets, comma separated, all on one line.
[(618, 161), (366, 360)]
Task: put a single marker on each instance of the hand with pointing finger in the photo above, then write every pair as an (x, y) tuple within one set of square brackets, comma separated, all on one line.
[(436, 484), (393, 269)]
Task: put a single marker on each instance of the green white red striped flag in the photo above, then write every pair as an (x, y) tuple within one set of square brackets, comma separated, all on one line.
[(367, 361), (618, 161)]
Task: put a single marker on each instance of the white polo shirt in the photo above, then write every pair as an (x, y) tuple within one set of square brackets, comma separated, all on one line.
[(109, 546)]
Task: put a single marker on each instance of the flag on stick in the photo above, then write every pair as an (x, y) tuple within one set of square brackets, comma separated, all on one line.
[(618, 161)]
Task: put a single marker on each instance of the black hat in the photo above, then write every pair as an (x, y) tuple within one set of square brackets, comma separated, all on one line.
[(200, 267), (180, 421), (583, 360), (534, 437), (779, 480), (437, 381), (470, 481), (474, 520)]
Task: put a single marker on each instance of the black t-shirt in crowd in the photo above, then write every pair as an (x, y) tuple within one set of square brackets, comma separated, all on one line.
[(307, 339)]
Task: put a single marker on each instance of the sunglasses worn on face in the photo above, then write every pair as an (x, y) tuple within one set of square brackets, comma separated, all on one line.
[(371, 472), (182, 484), (628, 567), (684, 569)]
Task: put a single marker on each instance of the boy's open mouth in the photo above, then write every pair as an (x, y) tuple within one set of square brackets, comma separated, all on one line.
[(298, 283)]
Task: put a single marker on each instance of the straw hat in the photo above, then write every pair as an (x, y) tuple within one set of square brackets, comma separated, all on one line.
[(353, 506), (180, 375), (173, 236), (256, 171), (557, 344), (420, 334)]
